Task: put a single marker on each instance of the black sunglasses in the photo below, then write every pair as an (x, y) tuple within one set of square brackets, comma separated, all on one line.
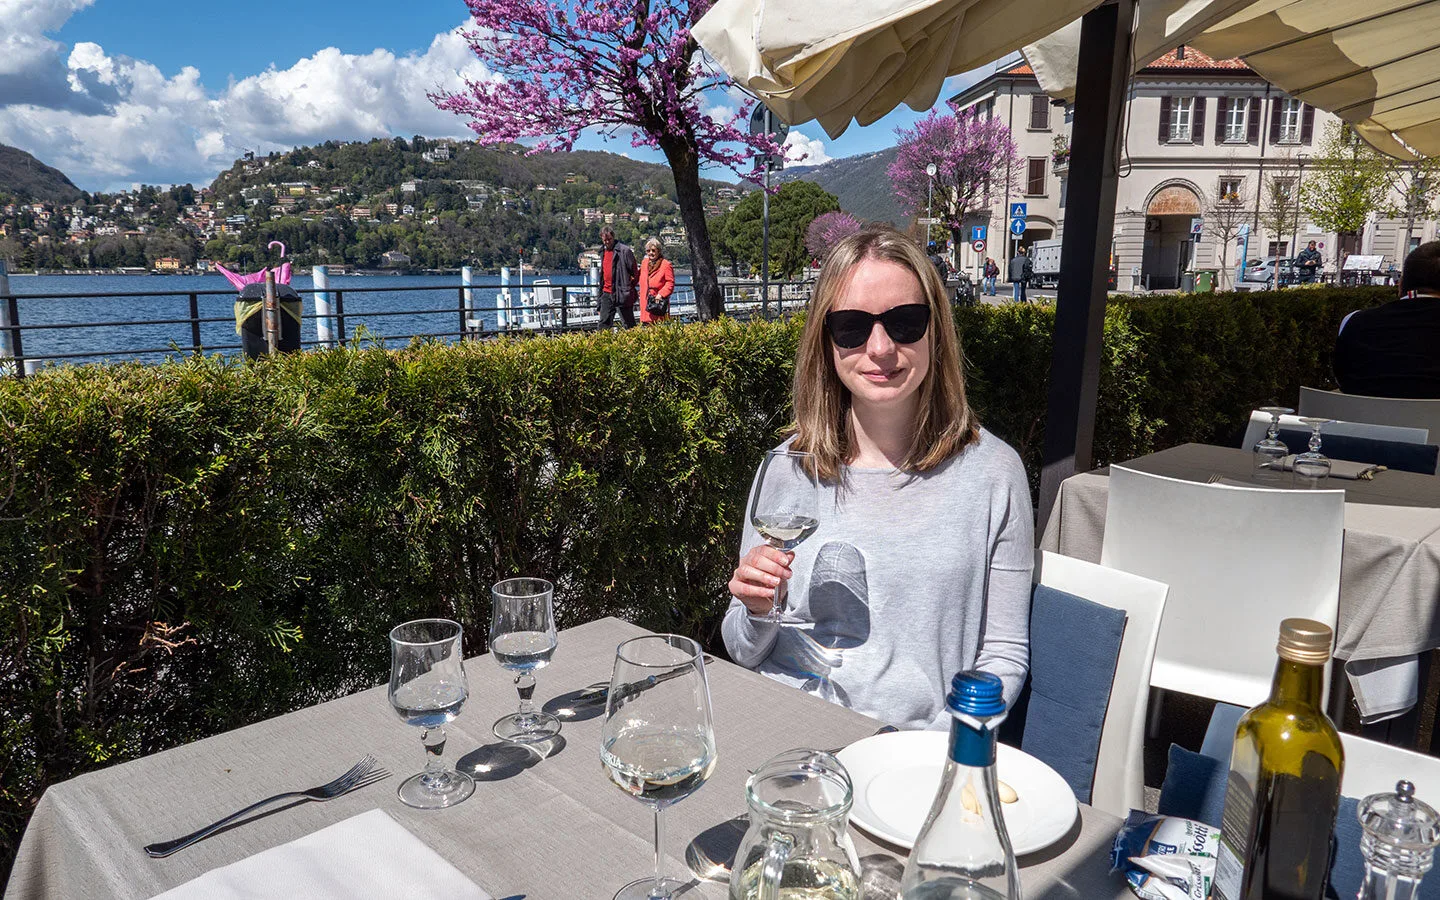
[(851, 328)]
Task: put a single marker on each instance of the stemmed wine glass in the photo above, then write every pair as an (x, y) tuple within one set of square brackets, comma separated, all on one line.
[(658, 742), (522, 639), (427, 689), (1312, 466), (785, 510), (1270, 451)]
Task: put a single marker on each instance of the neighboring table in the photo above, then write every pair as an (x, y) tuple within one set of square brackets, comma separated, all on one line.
[(1389, 577), (555, 830)]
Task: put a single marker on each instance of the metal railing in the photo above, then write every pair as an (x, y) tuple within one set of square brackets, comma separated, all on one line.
[(565, 307)]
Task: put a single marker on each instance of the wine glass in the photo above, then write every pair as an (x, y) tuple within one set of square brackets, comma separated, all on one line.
[(427, 689), (658, 742), (522, 639), (1312, 466), (1270, 451), (784, 509)]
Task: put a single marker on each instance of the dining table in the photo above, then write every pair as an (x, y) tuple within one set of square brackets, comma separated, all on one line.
[(1389, 611), (543, 824)]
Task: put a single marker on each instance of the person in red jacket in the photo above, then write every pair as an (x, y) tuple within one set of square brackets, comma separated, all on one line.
[(657, 283)]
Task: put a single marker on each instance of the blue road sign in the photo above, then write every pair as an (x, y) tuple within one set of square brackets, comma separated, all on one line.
[(1018, 210), (1017, 227), (977, 232)]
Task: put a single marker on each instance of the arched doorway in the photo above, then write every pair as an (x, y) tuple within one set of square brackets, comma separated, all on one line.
[(1169, 247)]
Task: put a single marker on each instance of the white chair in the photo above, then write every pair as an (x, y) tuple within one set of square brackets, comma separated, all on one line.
[(1372, 767), (1237, 560), (1260, 423), (1377, 410), (1119, 784)]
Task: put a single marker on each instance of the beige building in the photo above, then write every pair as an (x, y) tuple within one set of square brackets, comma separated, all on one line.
[(1197, 130)]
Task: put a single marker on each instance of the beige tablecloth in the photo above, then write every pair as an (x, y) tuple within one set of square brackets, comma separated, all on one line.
[(552, 829), (1389, 577)]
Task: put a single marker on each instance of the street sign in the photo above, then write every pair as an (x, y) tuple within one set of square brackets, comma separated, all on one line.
[(924, 220), (1018, 210), (978, 232), (1017, 226), (1197, 225), (978, 246), (759, 124)]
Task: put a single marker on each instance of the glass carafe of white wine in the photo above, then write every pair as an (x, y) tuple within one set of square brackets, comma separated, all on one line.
[(796, 847)]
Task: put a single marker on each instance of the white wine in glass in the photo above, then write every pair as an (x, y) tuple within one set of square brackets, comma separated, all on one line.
[(658, 741), (785, 511)]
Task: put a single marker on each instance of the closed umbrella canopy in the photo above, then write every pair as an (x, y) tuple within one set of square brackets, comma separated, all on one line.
[(1374, 63), (860, 59)]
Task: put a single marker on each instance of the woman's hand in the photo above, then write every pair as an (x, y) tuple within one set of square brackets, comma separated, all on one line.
[(760, 571)]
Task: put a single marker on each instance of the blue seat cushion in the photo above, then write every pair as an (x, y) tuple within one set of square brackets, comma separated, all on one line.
[(1074, 646), (1396, 455), (1194, 787)]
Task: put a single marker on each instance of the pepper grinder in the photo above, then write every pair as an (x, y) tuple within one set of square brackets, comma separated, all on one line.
[(1398, 844)]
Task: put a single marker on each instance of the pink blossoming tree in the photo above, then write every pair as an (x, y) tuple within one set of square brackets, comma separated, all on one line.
[(975, 162), (829, 229), (616, 66)]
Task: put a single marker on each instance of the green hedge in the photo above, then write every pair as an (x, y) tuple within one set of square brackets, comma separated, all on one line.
[(190, 547)]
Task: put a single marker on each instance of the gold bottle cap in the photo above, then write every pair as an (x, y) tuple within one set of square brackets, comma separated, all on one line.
[(1305, 641)]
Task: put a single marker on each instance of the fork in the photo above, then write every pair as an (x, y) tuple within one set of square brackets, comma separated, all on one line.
[(365, 772)]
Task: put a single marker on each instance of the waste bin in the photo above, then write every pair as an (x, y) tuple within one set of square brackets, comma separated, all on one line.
[(1205, 281), (1187, 282)]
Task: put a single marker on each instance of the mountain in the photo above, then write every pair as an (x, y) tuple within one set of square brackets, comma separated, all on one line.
[(29, 179), (859, 181)]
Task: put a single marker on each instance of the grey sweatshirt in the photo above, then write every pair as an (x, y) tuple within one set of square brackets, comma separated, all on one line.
[(909, 579)]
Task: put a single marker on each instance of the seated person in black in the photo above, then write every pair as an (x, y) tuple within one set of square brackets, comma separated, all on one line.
[(1393, 350)]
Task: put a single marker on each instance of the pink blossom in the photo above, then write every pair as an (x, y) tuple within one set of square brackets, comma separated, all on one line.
[(975, 162)]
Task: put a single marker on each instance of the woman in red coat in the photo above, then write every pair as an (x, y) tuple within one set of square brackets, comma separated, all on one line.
[(657, 281)]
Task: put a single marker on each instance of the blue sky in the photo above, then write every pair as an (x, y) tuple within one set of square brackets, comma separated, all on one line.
[(119, 92)]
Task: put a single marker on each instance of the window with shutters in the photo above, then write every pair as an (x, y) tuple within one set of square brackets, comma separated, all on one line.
[(1237, 129), (1035, 176), (1282, 191), (1230, 188), (1290, 122), (1181, 110), (1039, 112)]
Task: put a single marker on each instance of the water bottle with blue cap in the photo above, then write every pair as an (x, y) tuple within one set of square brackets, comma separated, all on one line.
[(963, 851)]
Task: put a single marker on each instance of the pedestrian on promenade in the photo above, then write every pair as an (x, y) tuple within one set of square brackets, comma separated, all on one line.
[(1021, 268), (618, 274), (992, 272), (657, 283), (1308, 262), (920, 566)]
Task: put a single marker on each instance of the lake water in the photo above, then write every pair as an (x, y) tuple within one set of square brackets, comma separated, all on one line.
[(429, 305)]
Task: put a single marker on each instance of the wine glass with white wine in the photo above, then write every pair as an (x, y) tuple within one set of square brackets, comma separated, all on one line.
[(658, 741), (785, 511)]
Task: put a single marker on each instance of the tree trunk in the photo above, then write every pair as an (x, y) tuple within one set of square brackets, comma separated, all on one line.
[(685, 165)]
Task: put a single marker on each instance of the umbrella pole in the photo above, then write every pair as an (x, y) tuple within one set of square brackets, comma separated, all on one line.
[(1105, 37), (271, 313)]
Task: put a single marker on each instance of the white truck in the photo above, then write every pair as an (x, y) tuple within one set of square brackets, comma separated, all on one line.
[(1045, 260)]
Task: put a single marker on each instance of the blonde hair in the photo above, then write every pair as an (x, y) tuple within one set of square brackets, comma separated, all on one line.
[(945, 423), (657, 245)]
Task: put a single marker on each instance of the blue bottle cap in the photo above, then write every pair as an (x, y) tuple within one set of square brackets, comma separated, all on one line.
[(977, 694)]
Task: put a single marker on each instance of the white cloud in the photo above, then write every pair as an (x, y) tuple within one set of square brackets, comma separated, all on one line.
[(813, 150), (109, 121)]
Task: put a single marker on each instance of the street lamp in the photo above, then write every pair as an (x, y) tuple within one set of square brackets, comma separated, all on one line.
[(929, 196)]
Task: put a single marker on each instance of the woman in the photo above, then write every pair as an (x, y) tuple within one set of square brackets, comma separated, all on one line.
[(657, 281), (992, 271), (921, 564)]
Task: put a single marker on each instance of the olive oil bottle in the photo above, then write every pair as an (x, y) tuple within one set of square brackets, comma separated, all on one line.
[(1284, 784)]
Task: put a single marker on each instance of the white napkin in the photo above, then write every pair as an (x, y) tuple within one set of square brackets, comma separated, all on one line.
[(365, 856)]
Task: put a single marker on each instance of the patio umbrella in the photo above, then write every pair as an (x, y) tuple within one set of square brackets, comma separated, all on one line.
[(859, 60), (1374, 63)]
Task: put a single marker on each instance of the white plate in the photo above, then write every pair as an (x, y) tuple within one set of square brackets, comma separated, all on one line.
[(896, 777)]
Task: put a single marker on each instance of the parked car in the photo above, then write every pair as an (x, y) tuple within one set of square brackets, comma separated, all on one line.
[(1266, 274)]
